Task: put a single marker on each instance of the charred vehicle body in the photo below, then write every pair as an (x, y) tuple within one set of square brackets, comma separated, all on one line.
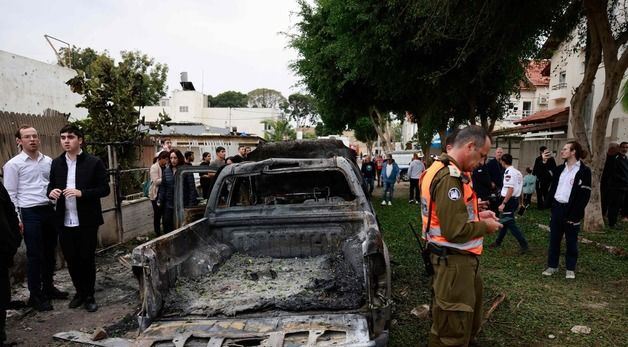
[(287, 253)]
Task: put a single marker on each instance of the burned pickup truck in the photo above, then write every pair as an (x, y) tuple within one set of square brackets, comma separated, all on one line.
[(288, 253)]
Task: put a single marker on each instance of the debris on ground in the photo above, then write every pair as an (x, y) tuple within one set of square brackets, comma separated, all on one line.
[(117, 296), (544, 227), (498, 300), (86, 339), (551, 336), (421, 311), (581, 329), (99, 334), (606, 248), (245, 283)]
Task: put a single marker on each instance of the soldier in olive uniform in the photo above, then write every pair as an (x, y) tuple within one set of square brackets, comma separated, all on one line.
[(454, 228)]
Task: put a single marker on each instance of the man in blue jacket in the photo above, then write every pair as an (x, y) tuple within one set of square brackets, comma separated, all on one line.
[(390, 175)]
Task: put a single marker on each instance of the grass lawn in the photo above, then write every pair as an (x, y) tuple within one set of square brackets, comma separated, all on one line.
[(536, 306)]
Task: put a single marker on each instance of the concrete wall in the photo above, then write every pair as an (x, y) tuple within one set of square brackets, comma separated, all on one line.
[(31, 86)]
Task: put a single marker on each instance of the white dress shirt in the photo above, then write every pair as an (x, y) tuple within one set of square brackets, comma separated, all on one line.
[(565, 182), (512, 179), (71, 213), (27, 180)]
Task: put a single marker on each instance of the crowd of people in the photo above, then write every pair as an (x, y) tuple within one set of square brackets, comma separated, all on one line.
[(162, 173), (45, 200), (464, 198)]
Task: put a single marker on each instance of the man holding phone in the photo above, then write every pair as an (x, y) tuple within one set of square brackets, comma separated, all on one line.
[(543, 170)]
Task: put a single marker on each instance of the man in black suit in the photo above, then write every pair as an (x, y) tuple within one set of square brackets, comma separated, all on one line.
[(77, 182), (10, 239), (544, 166)]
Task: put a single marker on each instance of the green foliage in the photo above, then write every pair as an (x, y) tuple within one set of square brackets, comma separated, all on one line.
[(265, 98), (364, 130), (535, 306), (301, 108), (322, 130), (113, 93), (228, 99), (280, 130), (445, 61)]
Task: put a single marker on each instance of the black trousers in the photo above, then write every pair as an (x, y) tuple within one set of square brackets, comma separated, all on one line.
[(157, 215), (415, 194), (615, 203), (5, 298), (542, 189), (79, 246)]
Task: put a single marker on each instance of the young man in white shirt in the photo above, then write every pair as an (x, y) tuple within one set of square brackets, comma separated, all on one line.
[(511, 198), (569, 194), (78, 181), (26, 178)]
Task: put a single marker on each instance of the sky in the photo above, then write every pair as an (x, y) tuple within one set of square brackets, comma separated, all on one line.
[(221, 44)]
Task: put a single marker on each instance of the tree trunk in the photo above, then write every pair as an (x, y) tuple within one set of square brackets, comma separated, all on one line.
[(602, 44), (382, 128)]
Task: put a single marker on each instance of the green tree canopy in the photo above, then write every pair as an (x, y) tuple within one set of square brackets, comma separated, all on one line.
[(364, 131), (114, 92), (228, 99), (456, 61), (264, 97), (280, 130), (301, 108)]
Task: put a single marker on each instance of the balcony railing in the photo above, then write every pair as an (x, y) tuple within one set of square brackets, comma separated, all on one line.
[(561, 85), (526, 113)]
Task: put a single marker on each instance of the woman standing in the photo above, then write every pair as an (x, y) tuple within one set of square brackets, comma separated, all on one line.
[(156, 171), (569, 194), (166, 191)]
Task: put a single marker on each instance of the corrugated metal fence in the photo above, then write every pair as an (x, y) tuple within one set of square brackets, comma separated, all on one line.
[(47, 124)]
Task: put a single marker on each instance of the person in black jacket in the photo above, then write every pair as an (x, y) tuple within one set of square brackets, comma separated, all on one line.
[(544, 166), (496, 171), (569, 194), (10, 239), (77, 182), (165, 198), (619, 181)]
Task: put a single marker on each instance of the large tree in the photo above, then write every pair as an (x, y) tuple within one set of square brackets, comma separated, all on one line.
[(451, 60), (113, 93), (228, 99), (280, 130), (606, 35), (264, 97), (301, 109), (364, 131)]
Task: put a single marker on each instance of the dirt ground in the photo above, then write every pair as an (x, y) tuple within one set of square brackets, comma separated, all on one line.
[(117, 296)]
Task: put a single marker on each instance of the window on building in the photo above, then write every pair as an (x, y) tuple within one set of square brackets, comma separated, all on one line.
[(183, 109), (562, 77), (527, 108)]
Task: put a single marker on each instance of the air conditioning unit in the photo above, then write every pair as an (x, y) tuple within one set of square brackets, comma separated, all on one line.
[(543, 100)]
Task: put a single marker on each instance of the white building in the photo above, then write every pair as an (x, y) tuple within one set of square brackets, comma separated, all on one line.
[(191, 106), (567, 70), (31, 86), (533, 91)]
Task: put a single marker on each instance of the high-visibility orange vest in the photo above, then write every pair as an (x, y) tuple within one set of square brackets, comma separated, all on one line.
[(433, 234)]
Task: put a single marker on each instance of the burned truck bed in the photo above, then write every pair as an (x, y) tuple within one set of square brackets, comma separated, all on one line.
[(280, 238), (253, 284)]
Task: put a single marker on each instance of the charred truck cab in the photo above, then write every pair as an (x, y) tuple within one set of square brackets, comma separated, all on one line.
[(288, 253)]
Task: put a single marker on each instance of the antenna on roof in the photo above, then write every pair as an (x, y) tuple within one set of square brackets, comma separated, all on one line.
[(69, 56)]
